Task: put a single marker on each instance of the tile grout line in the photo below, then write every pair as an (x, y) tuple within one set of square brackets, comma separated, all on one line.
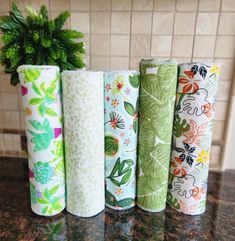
[(90, 50), (110, 29), (173, 30), (151, 32), (195, 29), (130, 33)]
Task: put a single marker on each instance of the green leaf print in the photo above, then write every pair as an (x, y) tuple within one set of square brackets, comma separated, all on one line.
[(43, 135), (173, 201), (135, 125), (112, 201), (180, 126), (47, 97), (156, 108), (134, 81), (129, 108), (122, 170), (31, 74), (52, 202), (125, 202), (111, 145)]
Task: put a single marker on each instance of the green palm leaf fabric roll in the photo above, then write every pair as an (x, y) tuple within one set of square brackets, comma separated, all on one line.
[(84, 141), (157, 100), (40, 87)]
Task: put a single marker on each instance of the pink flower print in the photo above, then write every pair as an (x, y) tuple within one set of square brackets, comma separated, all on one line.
[(108, 98), (127, 142), (122, 134), (57, 132), (31, 174), (131, 127), (115, 103), (127, 91), (108, 87), (105, 111), (24, 90)]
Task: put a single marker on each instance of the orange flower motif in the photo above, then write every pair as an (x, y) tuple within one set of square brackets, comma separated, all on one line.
[(185, 208), (194, 133), (115, 103), (28, 111), (189, 83), (208, 109), (179, 168), (197, 193)]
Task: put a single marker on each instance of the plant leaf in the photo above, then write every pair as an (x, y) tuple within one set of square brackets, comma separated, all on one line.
[(36, 101), (54, 189), (126, 177), (116, 167), (43, 201), (36, 89), (50, 112), (115, 182), (125, 202), (134, 80), (110, 199)]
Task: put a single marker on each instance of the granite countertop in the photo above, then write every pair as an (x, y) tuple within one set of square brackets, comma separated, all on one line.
[(17, 221)]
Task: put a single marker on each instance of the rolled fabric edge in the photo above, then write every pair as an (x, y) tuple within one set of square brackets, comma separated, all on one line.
[(51, 215), (152, 210), (187, 213), (85, 216), (157, 61), (28, 66), (118, 209)]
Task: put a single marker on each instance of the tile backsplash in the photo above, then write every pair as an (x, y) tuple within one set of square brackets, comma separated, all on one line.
[(118, 33)]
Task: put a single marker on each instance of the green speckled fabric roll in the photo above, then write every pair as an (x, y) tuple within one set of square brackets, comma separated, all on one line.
[(157, 100)]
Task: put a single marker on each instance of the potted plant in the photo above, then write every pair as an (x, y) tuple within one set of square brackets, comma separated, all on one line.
[(38, 48)]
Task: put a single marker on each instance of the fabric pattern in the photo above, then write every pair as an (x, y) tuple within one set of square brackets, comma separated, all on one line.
[(84, 141), (192, 136), (40, 86), (157, 100), (121, 127)]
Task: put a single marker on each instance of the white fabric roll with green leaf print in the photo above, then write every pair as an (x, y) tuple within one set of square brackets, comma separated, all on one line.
[(40, 86), (121, 127), (192, 136), (84, 141)]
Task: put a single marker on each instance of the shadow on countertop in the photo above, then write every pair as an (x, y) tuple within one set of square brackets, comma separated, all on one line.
[(18, 222)]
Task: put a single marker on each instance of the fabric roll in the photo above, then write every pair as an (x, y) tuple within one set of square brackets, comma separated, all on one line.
[(157, 100), (192, 136), (40, 86), (121, 127), (84, 141)]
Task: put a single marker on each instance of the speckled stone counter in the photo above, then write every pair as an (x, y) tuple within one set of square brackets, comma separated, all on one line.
[(17, 222)]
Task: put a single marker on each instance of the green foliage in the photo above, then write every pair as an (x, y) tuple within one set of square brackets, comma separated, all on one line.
[(37, 40)]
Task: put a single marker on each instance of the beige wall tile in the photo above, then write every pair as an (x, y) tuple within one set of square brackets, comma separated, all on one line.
[(161, 46), (121, 5), (80, 22), (100, 22), (184, 23), (225, 47), (141, 22), (204, 46), (140, 45), (119, 63), (1, 119), (11, 120), (162, 23), (99, 63), (218, 130), (182, 46), (79, 5), (164, 5), (22, 120), (186, 5), (120, 23), (142, 5), (227, 23), (207, 23), (5, 5), (59, 5), (100, 45), (5, 84), (36, 4), (215, 156), (86, 41), (182, 60), (221, 110), (226, 69), (223, 90), (228, 5), (100, 5), (21, 4), (209, 5), (134, 62), (9, 101), (88, 61), (120, 45)]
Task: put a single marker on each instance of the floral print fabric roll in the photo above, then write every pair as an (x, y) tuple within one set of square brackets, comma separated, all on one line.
[(121, 127), (157, 100), (83, 102), (192, 136), (40, 86)]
